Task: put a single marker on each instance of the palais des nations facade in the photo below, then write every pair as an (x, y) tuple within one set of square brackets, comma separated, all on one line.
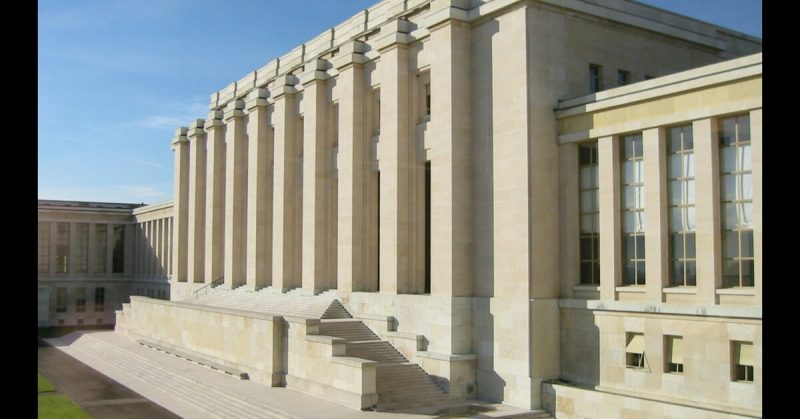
[(554, 204)]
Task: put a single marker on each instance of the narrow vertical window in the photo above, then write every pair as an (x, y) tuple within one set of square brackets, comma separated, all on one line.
[(595, 78), (80, 299), (683, 270), (428, 99), (61, 300), (100, 245), (62, 248), (81, 248), (633, 220), (736, 190), (743, 365), (43, 247), (99, 299), (589, 215), (673, 354), (427, 227), (634, 350), (623, 77), (118, 253)]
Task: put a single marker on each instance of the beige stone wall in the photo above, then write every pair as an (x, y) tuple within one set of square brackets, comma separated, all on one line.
[(570, 402)]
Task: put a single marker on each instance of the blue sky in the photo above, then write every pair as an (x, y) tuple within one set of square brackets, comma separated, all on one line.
[(116, 78)]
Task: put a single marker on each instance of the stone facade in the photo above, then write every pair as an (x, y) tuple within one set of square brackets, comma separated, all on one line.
[(422, 163)]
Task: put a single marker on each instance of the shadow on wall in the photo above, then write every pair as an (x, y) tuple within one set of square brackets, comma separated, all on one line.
[(490, 386)]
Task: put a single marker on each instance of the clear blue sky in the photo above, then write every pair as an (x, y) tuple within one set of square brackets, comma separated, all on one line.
[(116, 78)]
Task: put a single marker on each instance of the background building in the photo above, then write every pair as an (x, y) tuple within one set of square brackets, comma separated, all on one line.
[(542, 203)]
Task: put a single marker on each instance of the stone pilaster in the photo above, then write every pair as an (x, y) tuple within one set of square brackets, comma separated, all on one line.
[(610, 242), (352, 240), (316, 170), (285, 272), (259, 190), (180, 146), (235, 194), (197, 201), (708, 232), (394, 153), (655, 213), (215, 196)]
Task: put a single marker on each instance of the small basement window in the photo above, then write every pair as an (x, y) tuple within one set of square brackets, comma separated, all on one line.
[(634, 350), (674, 354), (743, 365)]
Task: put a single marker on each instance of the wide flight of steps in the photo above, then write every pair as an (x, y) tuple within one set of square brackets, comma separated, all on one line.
[(212, 401), (292, 303), (401, 385)]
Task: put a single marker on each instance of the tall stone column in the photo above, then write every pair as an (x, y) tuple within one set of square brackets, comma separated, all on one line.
[(394, 153), (180, 146), (316, 159), (235, 194), (197, 201), (285, 273), (215, 196), (450, 154), (708, 232), (259, 190), (610, 243), (655, 213), (352, 239)]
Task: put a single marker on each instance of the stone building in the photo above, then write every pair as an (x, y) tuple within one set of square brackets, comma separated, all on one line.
[(551, 204)]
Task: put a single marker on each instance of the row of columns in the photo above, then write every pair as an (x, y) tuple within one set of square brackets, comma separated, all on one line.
[(255, 186), (153, 241), (90, 251), (707, 206)]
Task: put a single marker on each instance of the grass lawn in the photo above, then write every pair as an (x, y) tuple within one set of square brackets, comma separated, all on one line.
[(45, 385), (57, 406)]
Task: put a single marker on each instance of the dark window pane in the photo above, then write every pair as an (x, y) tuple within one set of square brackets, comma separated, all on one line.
[(586, 248), (630, 271), (640, 247), (748, 279), (586, 272), (640, 276), (690, 246), (691, 273), (730, 246), (677, 246), (584, 155), (747, 243), (630, 242), (677, 273)]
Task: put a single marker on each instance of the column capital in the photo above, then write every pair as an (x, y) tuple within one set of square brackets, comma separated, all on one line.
[(284, 85), (349, 54), (394, 34), (443, 11), (213, 120), (257, 98), (196, 128), (234, 109), (315, 71), (180, 137)]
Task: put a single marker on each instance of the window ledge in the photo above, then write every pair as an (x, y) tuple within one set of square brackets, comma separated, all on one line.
[(737, 291), (680, 290), (586, 288), (632, 288)]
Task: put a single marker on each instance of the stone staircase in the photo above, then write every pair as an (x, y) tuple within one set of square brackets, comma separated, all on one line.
[(401, 385), (269, 301)]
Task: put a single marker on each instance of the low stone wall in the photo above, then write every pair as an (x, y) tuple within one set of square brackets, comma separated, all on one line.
[(568, 402), (273, 350), (317, 366), (247, 341)]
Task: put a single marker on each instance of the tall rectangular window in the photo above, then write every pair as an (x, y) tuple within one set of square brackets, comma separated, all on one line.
[(81, 248), (43, 247), (99, 299), (595, 78), (428, 99), (736, 190), (80, 299), (61, 300), (62, 248), (743, 365), (633, 221), (100, 246), (673, 354), (623, 77), (683, 270), (589, 215), (634, 350), (118, 253)]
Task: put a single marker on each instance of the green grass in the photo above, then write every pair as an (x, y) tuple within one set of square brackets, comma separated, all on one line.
[(54, 406), (45, 385)]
